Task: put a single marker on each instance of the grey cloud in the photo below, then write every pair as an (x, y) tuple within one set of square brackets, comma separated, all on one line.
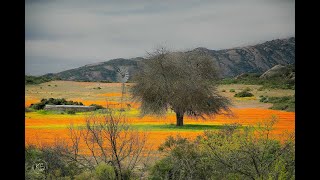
[(73, 33)]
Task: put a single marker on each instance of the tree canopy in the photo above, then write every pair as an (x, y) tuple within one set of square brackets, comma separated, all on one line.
[(182, 81)]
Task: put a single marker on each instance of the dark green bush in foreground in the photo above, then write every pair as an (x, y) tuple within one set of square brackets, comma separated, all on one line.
[(59, 168), (101, 172), (227, 154)]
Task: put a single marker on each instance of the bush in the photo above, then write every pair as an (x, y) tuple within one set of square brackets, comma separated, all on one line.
[(286, 103), (162, 169), (71, 112), (243, 94), (84, 176), (97, 106), (127, 174), (230, 153), (223, 90), (232, 90), (52, 101), (105, 81), (101, 172), (58, 168), (264, 99), (247, 89), (28, 110), (104, 172)]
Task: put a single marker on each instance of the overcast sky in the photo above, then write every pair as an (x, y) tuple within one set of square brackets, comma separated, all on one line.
[(65, 34)]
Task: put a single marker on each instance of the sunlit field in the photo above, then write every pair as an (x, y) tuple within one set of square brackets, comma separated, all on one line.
[(45, 127)]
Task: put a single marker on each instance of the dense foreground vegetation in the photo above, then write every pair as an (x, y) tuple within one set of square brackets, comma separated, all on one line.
[(227, 154), (117, 151)]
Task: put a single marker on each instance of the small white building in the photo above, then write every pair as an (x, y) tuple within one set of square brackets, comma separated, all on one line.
[(77, 108)]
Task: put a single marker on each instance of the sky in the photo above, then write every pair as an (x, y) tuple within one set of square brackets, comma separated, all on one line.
[(66, 34)]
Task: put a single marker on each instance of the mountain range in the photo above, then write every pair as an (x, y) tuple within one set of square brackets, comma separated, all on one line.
[(231, 62)]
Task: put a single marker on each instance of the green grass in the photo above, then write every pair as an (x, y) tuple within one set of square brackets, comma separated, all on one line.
[(50, 112)]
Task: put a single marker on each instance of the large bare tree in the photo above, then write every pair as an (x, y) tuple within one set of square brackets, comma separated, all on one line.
[(182, 81)]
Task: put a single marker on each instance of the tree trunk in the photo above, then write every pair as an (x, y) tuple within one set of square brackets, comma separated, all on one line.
[(179, 118)]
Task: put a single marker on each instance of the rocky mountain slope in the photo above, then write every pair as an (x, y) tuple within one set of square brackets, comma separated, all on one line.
[(286, 72), (231, 62)]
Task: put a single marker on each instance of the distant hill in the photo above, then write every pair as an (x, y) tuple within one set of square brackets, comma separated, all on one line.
[(279, 77), (104, 71), (282, 71), (231, 62)]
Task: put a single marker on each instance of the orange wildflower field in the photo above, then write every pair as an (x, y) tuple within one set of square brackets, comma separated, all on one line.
[(44, 128)]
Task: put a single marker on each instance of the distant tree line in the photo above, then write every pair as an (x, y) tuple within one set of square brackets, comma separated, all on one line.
[(53, 101), (38, 79)]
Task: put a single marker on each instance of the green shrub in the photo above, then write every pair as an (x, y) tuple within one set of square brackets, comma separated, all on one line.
[(52, 101), (243, 94), (86, 175), (247, 89), (71, 112), (223, 90), (227, 154), (162, 169), (264, 99), (127, 174), (286, 103), (232, 90), (105, 172), (31, 175), (37, 106), (28, 110), (105, 81), (97, 106), (58, 168)]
